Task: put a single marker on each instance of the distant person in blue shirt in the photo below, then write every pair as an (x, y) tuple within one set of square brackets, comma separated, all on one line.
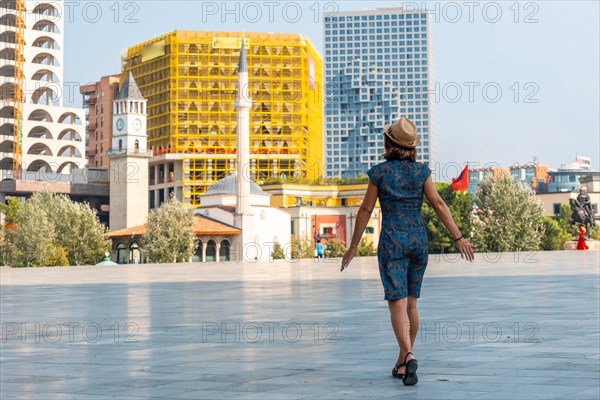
[(319, 250)]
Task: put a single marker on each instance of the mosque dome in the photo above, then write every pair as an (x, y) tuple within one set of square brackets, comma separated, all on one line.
[(228, 185)]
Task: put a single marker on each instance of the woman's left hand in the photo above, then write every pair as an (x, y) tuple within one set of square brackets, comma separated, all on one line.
[(350, 253)]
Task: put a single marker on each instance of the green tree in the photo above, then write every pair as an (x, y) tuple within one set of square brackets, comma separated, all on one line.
[(507, 216), (169, 236), (85, 224), (31, 241), (277, 253), (302, 248), (460, 204), (58, 258), (334, 248), (77, 228), (50, 229), (554, 235), (365, 248), (11, 210)]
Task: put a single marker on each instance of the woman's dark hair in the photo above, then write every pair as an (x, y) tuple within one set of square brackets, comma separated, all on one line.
[(393, 151)]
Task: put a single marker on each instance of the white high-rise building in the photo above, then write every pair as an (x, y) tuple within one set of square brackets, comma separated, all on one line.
[(377, 69), (53, 136)]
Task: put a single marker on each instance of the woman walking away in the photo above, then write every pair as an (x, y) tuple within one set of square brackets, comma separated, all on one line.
[(400, 183)]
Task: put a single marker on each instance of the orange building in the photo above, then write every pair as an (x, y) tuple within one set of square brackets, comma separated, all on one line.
[(533, 175)]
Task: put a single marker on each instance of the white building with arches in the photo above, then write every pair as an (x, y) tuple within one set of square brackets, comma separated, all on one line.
[(53, 136)]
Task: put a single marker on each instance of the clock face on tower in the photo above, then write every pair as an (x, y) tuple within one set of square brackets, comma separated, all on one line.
[(137, 124), (120, 124)]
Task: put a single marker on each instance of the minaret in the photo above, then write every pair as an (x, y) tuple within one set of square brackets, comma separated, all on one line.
[(243, 212), (128, 157)]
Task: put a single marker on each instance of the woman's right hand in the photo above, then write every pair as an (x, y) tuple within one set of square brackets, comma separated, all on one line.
[(466, 249)]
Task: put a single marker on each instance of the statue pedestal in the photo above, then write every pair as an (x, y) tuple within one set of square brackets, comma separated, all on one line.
[(592, 244)]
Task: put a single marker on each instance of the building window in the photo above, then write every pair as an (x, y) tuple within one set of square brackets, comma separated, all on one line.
[(135, 254), (370, 230), (121, 253), (557, 207), (198, 253), (595, 208), (211, 250), (224, 250)]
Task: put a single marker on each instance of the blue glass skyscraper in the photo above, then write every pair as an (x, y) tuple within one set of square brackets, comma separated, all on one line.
[(377, 69)]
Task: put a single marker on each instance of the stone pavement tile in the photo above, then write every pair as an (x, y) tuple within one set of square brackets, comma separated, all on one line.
[(400, 391), (10, 394), (61, 396), (502, 380), (127, 382), (219, 394), (530, 392), (588, 394), (141, 392), (34, 390), (563, 380), (459, 372), (550, 373), (199, 384)]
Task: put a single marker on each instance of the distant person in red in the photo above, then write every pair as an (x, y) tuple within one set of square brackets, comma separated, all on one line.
[(581, 245)]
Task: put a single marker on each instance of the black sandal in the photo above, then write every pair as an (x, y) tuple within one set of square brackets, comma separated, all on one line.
[(395, 373), (410, 376)]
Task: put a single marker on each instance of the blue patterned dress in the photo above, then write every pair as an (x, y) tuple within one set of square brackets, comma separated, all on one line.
[(402, 250)]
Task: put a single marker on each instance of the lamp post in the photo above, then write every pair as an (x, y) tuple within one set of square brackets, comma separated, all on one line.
[(303, 216), (351, 228)]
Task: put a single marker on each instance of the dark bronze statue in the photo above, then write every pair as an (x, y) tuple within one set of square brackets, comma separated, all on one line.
[(582, 211)]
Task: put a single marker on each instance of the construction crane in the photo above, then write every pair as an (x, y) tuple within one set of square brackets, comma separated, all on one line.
[(18, 91)]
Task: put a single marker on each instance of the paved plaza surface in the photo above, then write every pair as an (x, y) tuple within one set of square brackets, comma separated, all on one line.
[(508, 326)]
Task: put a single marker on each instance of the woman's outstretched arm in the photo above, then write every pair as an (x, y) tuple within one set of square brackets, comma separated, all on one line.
[(443, 213), (362, 219)]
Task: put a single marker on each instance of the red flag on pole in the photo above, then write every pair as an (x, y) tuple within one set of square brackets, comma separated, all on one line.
[(462, 182)]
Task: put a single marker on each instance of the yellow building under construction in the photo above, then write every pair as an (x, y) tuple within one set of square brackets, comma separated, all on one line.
[(190, 81)]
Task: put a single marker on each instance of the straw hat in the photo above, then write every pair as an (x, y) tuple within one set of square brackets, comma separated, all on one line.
[(403, 132)]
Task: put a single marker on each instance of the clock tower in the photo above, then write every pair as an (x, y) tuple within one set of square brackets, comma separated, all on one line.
[(129, 158)]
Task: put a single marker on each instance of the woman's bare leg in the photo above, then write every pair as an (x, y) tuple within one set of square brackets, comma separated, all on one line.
[(405, 322), (413, 317)]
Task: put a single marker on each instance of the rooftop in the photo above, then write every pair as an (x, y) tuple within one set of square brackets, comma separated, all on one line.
[(203, 225), (228, 185), (130, 89)]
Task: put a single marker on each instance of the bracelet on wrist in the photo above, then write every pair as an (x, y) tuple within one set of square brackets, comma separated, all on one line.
[(457, 239)]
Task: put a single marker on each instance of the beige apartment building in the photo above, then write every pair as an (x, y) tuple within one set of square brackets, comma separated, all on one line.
[(98, 102), (552, 202)]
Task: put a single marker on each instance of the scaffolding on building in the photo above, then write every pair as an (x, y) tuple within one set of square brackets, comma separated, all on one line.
[(190, 81), (18, 87)]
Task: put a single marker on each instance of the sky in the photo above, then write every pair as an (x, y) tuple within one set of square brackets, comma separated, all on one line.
[(512, 80)]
